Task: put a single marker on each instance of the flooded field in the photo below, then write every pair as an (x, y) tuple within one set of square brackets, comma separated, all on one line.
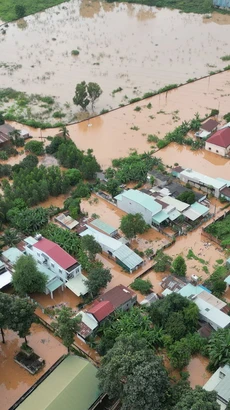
[(160, 47), (14, 380)]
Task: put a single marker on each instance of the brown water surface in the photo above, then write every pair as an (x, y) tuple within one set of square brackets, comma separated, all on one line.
[(197, 369)]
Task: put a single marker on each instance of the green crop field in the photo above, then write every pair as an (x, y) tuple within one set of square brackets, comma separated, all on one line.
[(8, 7)]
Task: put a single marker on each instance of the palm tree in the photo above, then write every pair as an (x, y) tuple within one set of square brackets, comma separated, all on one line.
[(15, 134), (11, 237), (65, 132)]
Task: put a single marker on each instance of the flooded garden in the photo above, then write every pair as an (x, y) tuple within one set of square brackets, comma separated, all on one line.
[(39, 58)]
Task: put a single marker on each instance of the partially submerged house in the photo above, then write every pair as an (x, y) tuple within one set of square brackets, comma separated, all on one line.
[(207, 128), (66, 268), (66, 221), (220, 382), (5, 133), (5, 275), (72, 385), (115, 249), (219, 143)]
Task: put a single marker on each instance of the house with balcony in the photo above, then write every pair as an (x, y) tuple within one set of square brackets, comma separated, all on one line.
[(51, 256)]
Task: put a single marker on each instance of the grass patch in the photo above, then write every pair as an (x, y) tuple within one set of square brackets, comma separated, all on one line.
[(225, 58), (220, 261), (205, 269), (135, 128), (137, 109), (117, 90), (221, 230), (75, 53), (152, 138), (7, 7), (191, 255)]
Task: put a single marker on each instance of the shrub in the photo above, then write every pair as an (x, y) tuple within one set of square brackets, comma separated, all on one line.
[(137, 109), (152, 138), (75, 52), (214, 112), (20, 11), (35, 147), (58, 114), (144, 286)]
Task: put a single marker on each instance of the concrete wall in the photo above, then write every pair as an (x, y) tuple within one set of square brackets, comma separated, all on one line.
[(216, 149), (131, 207)]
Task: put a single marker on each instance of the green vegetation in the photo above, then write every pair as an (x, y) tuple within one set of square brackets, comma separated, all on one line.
[(98, 278), (216, 281), (66, 326), (35, 147), (198, 398), (134, 128), (117, 90), (163, 262), (11, 10), (90, 246), (131, 225), (75, 52), (179, 266), (86, 93), (227, 117), (144, 286), (191, 255), (221, 230), (137, 108), (27, 278), (219, 348), (152, 138), (188, 197), (225, 58)]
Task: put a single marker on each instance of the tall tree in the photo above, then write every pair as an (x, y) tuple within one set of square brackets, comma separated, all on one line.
[(98, 278), (10, 237), (5, 309), (81, 95), (131, 225), (163, 262), (22, 316), (90, 246), (132, 373), (219, 348), (94, 91), (65, 132), (67, 325), (198, 399), (27, 278), (179, 266)]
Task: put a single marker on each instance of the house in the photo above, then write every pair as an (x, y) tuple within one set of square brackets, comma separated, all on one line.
[(66, 221), (72, 385), (52, 256), (120, 252), (198, 180), (175, 189), (5, 133), (219, 142), (227, 280), (103, 227), (120, 297), (149, 299), (5, 275), (176, 171), (207, 128), (223, 4), (220, 382), (159, 179), (196, 211), (172, 284)]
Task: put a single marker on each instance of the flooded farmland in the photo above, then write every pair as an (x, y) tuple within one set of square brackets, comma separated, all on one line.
[(132, 47)]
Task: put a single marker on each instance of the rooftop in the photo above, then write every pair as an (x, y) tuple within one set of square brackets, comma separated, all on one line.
[(72, 385), (118, 296), (142, 199), (220, 382), (55, 252), (67, 221), (12, 254), (212, 313), (209, 125), (127, 256), (179, 205), (202, 179), (100, 310), (220, 138), (195, 211), (102, 238), (227, 280), (178, 169), (87, 325), (104, 227), (78, 285), (5, 279), (6, 129)]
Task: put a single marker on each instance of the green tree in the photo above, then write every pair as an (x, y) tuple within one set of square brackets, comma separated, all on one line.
[(67, 325), (163, 262), (98, 278), (5, 309), (35, 147), (27, 278), (175, 326), (65, 132), (112, 186), (15, 134), (131, 373), (81, 95), (144, 286), (2, 121), (94, 92), (219, 287), (22, 316), (74, 176), (28, 220), (187, 196), (131, 225), (198, 399), (20, 11), (179, 266), (10, 237), (219, 348), (180, 354), (90, 246)]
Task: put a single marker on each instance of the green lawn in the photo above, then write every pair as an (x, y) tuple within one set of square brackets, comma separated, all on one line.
[(7, 7)]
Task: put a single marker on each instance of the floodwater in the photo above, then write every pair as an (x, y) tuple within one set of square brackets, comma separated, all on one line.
[(106, 211), (14, 380), (137, 48), (59, 298), (197, 370)]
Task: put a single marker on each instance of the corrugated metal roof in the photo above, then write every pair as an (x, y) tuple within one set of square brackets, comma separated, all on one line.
[(98, 223), (102, 238), (12, 254), (72, 385), (201, 178), (142, 199), (213, 314), (174, 215), (55, 252), (5, 279), (195, 211), (55, 284), (179, 205), (128, 257), (160, 217), (220, 382), (189, 290), (30, 240), (77, 285)]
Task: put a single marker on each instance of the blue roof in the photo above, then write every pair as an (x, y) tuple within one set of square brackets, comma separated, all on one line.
[(226, 181), (160, 217), (227, 280), (201, 209), (189, 290), (142, 199)]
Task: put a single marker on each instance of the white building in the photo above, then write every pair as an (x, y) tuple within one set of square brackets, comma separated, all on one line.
[(202, 181), (53, 257), (220, 382), (219, 143)]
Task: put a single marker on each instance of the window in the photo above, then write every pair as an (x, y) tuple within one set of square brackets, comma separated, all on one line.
[(60, 270), (209, 149), (52, 264), (217, 150)]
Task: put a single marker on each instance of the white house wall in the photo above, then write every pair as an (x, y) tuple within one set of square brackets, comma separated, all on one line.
[(132, 207), (217, 149)]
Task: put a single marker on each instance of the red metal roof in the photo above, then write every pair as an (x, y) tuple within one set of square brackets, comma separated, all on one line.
[(55, 252), (101, 310), (220, 138)]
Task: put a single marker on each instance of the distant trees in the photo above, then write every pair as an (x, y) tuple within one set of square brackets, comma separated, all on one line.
[(132, 373), (179, 266), (16, 314), (67, 325), (86, 93), (98, 278), (198, 399), (2, 121), (131, 225), (28, 220), (27, 278)]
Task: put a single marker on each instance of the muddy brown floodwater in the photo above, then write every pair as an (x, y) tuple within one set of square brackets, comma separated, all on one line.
[(14, 380), (137, 48)]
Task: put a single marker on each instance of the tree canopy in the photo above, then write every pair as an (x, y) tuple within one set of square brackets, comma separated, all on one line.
[(132, 373), (27, 278), (21, 316), (5, 308), (131, 225), (219, 348), (187, 196), (86, 93), (163, 262), (198, 399), (97, 278), (179, 266), (67, 325), (91, 246)]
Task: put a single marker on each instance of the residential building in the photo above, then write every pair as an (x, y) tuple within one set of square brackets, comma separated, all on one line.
[(58, 261), (103, 227), (219, 143), (66, 221), (5, 275), (5, 133), (120, 252), (220, 382), (227, 280), (176, 171), (207, 128), (223, 4), (172, 284), (207, 184), (120, 297), (159, 179), (196, 211), (149, 299), (72, 385)]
